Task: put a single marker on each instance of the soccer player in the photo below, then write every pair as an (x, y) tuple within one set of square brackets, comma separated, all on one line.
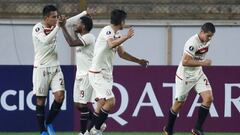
[(190, 75), (109, 42), (47, 72), (77, 33)]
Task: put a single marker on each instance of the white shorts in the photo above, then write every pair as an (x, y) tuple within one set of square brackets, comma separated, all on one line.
[(184, 86), (102, 85), (83, 91), (47, 77)]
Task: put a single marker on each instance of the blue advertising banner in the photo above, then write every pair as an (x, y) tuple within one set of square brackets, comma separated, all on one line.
[(143, 99), (18, 103)]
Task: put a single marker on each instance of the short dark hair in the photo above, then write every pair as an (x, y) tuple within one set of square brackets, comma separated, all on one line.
[(117, 16), (206, 27), (87, 21), (47, 9)]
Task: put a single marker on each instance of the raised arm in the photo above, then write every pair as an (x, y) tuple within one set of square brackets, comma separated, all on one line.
[(118, 41), (71, 42), (74, 19), (124, 55), (39, 33)]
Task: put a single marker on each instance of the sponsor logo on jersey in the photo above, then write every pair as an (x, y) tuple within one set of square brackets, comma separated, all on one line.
[(108, 32), (37, 29), (191, 48)]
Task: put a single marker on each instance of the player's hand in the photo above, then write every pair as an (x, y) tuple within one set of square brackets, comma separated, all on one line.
[(130, 32), (62, 20), (91, 11), (207, 62), (143, 62)]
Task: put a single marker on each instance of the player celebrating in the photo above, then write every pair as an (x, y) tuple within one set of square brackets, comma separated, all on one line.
[(190, 75), (109, 42), (77, 33), (47, 72)]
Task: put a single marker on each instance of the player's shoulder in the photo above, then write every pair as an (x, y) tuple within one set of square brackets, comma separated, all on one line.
[(107, 30), (89, 36), (37, 27), (193, 40)]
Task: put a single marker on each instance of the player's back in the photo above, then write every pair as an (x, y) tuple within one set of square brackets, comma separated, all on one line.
[(45, 49), (103, 54), (84, 54)]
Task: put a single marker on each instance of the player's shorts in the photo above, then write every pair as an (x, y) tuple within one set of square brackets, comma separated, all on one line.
[(102, 84), (83, 91), (45, 78), (183, 86)]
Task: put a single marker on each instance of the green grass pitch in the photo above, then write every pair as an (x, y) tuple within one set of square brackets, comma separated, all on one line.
[(114, 133)]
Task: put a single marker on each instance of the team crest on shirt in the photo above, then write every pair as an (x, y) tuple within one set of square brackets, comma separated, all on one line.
[(108, 32), (37, 29), (191, 48)]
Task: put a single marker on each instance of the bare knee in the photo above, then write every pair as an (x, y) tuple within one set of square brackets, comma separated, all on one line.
[(59, 96), (109, 104), (177, 106), (207, 100), (41, 101)]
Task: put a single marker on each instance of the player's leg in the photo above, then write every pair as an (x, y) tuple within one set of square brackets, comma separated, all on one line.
[(103, 91), (104, 111), (203, 87), (55, 107), (58, 88), (40, 89), (182, 90), (172, 116), (95, 115), (81, 96), (40, 113)]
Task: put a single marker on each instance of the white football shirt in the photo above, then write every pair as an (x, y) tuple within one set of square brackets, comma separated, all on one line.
[(84, 54), (198, 50), (71, 23), (44, 41), (103, 54)]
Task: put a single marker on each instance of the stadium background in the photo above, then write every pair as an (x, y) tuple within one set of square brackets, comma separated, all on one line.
[(161, 29)]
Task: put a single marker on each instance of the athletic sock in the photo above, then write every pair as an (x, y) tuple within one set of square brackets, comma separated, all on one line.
[(101, 119), (93, 117), (84, 117), (40, 117), (171, 120), (202, 115), (55, 109)]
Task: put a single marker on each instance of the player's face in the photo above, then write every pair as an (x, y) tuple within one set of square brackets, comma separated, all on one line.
[(206, 36), (51, 19), (122, 25), (79, 27)]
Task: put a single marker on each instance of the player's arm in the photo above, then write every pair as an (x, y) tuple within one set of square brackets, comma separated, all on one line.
[(42, 37), (72, 42), (188, 60), (118, 41), (124, 55), (75, 19)]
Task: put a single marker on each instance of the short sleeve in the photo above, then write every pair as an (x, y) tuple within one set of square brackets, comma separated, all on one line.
[(107, 33), (88, 39), (190, 48)]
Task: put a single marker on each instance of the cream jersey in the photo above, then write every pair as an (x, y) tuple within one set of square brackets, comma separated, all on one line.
[(103, 54), (84, 54), (71, 23), (197, 50), (44, 41)]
